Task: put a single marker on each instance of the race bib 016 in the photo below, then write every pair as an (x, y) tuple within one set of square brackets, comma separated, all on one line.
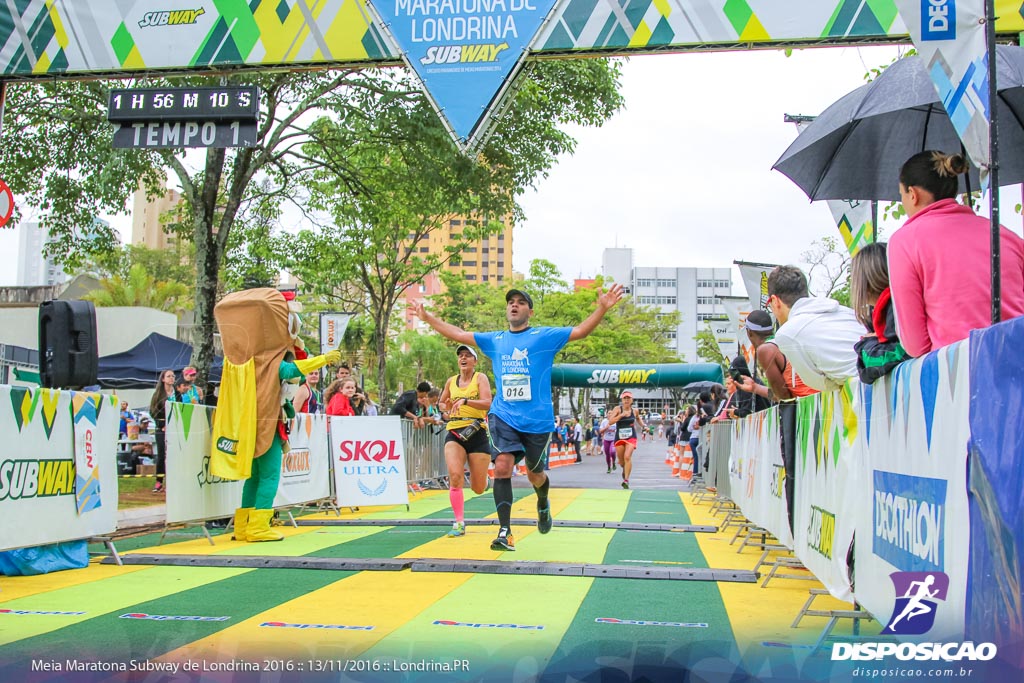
[(515, 387)]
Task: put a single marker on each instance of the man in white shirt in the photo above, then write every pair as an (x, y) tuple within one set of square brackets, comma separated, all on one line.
[(816, 335)]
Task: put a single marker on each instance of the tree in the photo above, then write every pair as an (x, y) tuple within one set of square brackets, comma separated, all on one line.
[(708, 349), (420, 357), (140, 289), (828, 269), (411, 181)]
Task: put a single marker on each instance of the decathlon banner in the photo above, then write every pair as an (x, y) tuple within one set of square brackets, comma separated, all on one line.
[(37, 467), (830, 492), (369, 461), (914, 519), (305, 468), (465, 52), (758, 474), (950, 37), (193, 494)]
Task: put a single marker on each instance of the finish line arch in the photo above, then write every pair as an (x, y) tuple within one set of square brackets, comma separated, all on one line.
[(651, 376)]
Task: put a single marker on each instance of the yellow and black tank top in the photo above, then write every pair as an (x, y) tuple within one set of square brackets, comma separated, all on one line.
[(471, 392)]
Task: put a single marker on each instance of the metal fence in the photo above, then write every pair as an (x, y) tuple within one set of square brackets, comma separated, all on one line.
[(718, 439), (424, 456)]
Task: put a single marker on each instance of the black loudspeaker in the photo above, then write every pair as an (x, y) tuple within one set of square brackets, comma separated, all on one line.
[(68, 356)]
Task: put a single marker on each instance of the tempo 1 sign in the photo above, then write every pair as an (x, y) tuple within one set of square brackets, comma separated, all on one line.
[(179, 134), (175, 118)]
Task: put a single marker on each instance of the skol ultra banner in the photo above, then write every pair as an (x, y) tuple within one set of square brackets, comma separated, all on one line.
[(830, 493), (38, 486), (950, 37), (758, 475), (369, 461), (913, 525)]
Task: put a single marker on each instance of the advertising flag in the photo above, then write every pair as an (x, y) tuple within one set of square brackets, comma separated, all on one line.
[(755, 279), (950, 37), (465, 52), (737, 308), (853, 217), (332, 330)]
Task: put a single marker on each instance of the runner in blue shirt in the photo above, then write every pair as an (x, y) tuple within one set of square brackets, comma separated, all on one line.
[(521, 414)]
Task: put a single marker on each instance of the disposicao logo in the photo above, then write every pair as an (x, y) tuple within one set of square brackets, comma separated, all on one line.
[(181, 17), (938, 19), (916, 596)]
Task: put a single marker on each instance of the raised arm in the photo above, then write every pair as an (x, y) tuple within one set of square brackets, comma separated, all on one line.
[(605, 301), (454, 333)]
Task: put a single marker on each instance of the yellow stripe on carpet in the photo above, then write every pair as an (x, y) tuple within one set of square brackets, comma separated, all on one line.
[(106, 595), (385, 601), (759, 614)]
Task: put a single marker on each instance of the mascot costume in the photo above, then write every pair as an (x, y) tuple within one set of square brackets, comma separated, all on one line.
[(250, 426)]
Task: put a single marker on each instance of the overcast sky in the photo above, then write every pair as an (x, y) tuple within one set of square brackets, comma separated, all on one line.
[(682, 174)]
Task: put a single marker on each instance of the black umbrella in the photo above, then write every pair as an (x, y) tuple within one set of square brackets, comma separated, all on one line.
[(855, 148), (697, 387)]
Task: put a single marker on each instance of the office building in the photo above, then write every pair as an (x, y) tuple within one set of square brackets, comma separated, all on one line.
[(693, 292)]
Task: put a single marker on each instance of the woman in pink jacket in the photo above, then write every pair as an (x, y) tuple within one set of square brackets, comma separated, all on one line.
[(939, 261)]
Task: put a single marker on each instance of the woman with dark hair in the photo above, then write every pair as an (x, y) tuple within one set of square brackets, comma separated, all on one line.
[(158, 410), (939, 261), (880, 351)]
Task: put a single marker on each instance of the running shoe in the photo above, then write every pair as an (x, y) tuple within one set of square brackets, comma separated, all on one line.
[(544, 518), (609, 471), (504, 541), (625, 483), (458, 529), (613, 468)]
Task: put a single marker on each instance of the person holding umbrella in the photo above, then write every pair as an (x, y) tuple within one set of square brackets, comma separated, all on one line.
[(939, 267)]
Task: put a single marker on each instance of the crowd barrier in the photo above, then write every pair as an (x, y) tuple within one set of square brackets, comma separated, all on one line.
[(58, 476), (919, 473)]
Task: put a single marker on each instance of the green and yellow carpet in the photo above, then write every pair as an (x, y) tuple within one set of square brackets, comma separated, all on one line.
[(192, 623)]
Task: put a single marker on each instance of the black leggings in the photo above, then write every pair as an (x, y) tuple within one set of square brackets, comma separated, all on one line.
[(161, 453)]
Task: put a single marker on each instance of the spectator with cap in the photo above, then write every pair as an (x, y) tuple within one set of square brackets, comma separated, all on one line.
[(192, 393), (520, 417)]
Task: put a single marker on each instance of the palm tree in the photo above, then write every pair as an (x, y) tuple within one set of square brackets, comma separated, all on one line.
[(141, 289)]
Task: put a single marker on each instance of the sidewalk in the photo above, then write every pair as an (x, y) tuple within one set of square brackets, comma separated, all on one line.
[(141, 516)]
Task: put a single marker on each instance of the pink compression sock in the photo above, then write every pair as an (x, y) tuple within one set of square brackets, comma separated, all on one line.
[(458, 503)]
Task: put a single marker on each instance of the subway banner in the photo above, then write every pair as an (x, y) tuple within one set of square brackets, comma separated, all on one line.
[(194, 494), (654, 376), (49, 38), (915, 459), (828, 496), (40, 494), (758, 476), (369, 461), (464, 52)]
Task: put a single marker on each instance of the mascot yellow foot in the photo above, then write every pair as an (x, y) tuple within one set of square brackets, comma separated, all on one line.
[(241, 522), (259, 529)]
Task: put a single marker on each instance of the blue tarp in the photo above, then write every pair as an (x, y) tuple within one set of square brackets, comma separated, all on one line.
[(139, 367)]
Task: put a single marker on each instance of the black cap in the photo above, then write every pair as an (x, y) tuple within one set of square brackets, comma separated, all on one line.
[(512, 292)]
